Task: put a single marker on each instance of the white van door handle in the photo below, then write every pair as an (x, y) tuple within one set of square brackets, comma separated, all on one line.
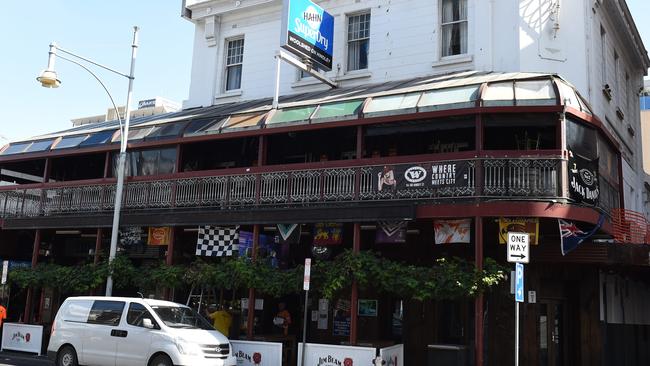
[(119, 333)]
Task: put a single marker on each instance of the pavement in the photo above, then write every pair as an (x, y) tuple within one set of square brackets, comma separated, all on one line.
[(8, 358)]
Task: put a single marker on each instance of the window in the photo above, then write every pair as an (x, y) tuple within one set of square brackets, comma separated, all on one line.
[(234, 60), (106, 312), (136, 313), (358, 41), (454, 27)]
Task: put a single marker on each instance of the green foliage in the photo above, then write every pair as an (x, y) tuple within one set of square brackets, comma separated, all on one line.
[(448, 278)]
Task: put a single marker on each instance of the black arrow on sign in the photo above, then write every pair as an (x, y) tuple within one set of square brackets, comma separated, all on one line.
[(520, 256)]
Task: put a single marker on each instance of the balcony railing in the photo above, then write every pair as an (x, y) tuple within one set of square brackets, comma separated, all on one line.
[(476, 178)]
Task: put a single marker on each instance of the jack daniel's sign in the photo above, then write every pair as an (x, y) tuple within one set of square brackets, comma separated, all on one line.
[(583, 179)]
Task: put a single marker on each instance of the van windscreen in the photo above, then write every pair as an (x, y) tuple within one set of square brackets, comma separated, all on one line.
[(181, 317)]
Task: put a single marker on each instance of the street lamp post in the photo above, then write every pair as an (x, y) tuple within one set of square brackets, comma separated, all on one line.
[(48, 79)]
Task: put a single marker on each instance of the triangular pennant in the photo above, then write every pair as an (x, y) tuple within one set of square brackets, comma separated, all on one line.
[(390, 232), (286, 230)]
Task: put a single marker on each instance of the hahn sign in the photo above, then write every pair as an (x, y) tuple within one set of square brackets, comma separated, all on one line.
[(308, 32)]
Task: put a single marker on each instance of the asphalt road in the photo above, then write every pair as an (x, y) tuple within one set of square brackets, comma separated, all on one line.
[(23, 359)]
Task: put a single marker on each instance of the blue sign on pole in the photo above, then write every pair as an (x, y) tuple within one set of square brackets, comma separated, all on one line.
[(519, 282), (308, 32)]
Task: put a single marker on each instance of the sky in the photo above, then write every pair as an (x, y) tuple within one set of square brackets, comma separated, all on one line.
[(102, 31)]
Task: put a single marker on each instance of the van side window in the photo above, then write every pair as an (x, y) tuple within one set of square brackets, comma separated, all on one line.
[(136, 313), (106, 312)]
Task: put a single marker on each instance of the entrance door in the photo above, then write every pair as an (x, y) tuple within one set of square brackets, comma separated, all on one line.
[(551, 328)]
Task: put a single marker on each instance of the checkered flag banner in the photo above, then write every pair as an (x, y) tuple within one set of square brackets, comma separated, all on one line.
[(214, 241)]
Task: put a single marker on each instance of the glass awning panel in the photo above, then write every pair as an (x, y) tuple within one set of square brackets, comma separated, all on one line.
[(449, 98), (168, 130), (39, 146), (535, 92), (238, 122), (340, 111), (299, 115), (197, 125), (499, 94), (134, 134), (69, 141), (97, 138), (16, 148), (392, 104)]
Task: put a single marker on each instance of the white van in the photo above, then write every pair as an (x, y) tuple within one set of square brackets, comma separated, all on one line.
[(124, 331)]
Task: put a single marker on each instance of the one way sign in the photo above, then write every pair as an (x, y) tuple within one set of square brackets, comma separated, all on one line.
[(518, 247)]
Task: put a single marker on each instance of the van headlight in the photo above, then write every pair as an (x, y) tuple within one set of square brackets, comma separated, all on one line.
[(187, 348)]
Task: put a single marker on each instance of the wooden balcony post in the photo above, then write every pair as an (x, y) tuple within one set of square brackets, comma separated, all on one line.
[(27, 315), (98, 245), (354, 298), (478, 302), (250, 321), (169, 260)]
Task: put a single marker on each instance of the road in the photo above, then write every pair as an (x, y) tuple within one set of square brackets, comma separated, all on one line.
[(23, 359)]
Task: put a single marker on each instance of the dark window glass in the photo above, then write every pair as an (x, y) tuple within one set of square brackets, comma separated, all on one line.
[(312, 146), (233, 153), (98, 138), (137, 312), (199, 124), (168, 130), (581, 139), (106, 312), (16, 148), (39, 146), (148, 162), (520, 132)]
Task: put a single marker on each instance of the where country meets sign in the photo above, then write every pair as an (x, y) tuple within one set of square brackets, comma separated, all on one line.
[(308, 32)]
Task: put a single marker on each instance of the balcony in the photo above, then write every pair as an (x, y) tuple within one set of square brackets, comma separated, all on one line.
[(486, 178)]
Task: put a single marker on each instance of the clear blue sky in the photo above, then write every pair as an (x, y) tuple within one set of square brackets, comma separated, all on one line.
[(102, 30)]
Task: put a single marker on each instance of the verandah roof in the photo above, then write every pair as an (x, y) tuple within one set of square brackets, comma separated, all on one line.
[(452, 91)]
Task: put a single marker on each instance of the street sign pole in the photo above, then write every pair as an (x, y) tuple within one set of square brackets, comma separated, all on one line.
[(519, 297), (518, 252), (305, 286)]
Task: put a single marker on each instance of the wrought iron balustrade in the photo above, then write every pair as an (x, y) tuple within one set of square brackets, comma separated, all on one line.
[(515, 177)]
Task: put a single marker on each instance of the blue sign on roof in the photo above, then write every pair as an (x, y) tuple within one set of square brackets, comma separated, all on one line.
[(308, 32)]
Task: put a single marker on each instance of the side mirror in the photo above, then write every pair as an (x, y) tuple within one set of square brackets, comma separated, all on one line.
[(147, 323)]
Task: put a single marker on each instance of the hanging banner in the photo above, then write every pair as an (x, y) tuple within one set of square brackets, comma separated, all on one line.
[(130, 236), (328, 234), (335, 355), (438, 175), (452, 231), (528, 225), (391, 232), (288, 233), (308, 32), (159, 235), (250, 353), (583, 179)]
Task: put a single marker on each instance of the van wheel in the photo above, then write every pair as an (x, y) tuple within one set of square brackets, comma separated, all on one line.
[(67, 357), (161, 360)]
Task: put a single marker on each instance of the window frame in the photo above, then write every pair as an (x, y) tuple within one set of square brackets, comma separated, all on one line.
[(451, 23), (228, 65), (349, 41), (140, 316)]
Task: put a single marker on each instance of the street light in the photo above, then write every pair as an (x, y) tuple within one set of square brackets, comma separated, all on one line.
[(49, 79)]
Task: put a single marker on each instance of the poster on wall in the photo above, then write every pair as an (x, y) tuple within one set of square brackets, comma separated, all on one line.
[(367, 307), (583, 179), (250, 353), (528, 225), (159, 235), (341, 321), (438, 175)]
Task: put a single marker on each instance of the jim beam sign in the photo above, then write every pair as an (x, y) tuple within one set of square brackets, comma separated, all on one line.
[(583, 179)]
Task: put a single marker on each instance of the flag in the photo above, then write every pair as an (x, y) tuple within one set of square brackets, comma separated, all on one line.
[(328, 234), (571, 236), (289, 233), (528, 225), (159, 235), (452, 231), (217, 241), (391, 232)]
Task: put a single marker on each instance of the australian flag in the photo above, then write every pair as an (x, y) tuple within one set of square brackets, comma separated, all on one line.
[(572, 236)]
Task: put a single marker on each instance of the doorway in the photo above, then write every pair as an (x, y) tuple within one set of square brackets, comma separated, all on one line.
[(551, 332)]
